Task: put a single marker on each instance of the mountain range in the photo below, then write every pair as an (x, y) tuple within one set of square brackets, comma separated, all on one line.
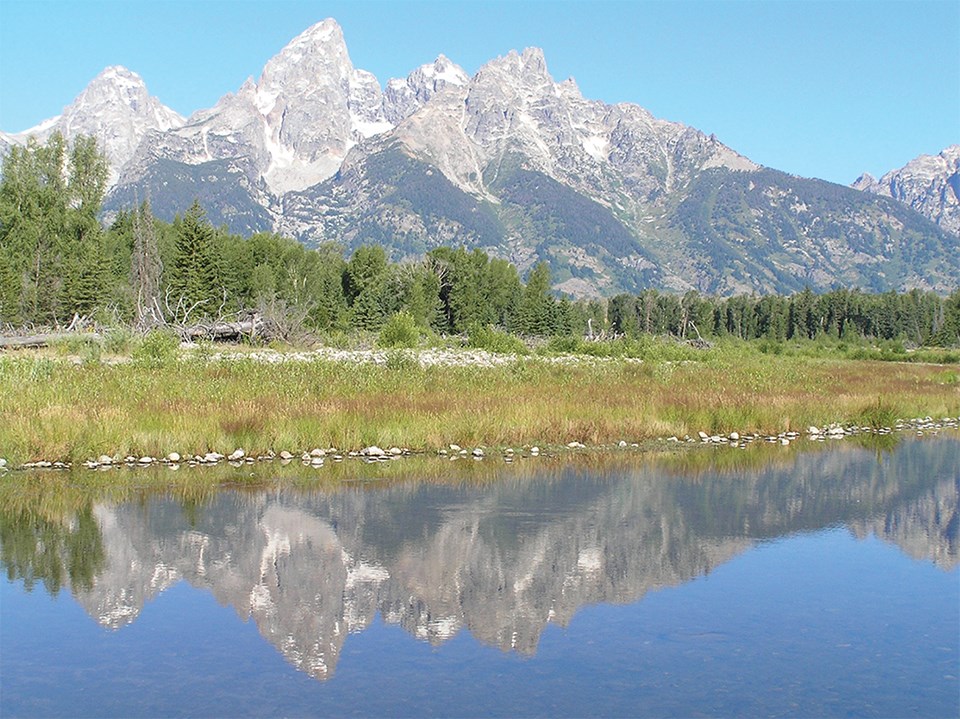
[(518, 164)]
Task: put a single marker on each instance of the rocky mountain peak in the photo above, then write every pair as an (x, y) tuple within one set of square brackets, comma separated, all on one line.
[(319, 54), (296, 123), (405, 96), (528, 67), (864, 181), (116, 108), (930, 184)]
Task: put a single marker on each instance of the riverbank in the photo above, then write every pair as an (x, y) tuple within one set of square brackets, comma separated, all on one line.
[(205, 405)]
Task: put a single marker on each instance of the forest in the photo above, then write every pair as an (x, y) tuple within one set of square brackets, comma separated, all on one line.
[(59, 262)]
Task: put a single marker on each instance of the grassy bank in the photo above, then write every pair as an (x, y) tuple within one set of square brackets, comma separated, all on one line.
[(53, 408)]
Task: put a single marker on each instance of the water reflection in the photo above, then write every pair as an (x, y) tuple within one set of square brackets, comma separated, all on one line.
[(502, 559)]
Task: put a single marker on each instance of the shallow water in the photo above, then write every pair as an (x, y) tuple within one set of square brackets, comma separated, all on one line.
[(822, 584)]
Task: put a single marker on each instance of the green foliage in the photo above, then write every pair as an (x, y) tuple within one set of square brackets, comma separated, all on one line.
[(877, 415), (117, 340), (493, 340), (196, 279), (400, 330), (56, 261), (399, 361), (157, 348), (51, 243)]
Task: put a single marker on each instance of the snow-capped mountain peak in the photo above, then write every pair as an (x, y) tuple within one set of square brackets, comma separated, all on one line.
[(116, 108)]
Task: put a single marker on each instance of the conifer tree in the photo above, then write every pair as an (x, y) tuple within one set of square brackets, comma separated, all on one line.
[(195, 275), (537, 312)]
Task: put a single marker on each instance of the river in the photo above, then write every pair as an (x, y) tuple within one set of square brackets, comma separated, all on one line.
[(800, 583)]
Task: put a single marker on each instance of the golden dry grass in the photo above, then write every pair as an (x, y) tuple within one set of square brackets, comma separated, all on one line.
[(52, 409)]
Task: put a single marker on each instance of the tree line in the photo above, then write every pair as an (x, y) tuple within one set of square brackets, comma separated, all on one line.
[(917, 317), (58, 261)]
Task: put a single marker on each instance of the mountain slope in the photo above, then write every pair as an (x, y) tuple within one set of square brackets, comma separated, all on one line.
[(513, 162), (930, 184)]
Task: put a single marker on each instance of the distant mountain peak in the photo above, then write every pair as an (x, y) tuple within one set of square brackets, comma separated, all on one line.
[(116, 108), (930, 184), (322, 34)]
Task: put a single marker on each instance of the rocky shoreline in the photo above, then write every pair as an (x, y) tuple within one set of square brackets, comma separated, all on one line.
[(317, 457)]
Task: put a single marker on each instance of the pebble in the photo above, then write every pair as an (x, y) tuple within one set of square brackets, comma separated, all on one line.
[(919, 425)]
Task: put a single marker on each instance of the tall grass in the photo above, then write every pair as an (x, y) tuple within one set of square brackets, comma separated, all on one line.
[(51, 408)]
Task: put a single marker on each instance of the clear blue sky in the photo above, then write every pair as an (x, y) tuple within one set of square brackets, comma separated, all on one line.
[(821, 89)]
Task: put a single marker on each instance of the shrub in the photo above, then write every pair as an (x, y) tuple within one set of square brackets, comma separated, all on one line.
[(877, 415), (157, 348), (400, 330), (494, 340), (117, 340), (400, 361)]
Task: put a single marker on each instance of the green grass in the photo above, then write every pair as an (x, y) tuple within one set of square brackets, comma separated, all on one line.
[(53, 408)]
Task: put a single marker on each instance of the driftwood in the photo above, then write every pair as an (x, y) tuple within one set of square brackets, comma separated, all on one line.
[(222, 331), (44, 340)]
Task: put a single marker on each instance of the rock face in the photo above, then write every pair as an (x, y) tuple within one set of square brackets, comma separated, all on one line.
[(930, 184), (510, 161), (116, 109)]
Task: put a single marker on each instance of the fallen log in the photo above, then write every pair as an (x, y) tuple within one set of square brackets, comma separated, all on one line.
[(46, 339), (222, 330)]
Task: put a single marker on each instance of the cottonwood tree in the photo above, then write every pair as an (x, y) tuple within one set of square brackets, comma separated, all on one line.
[(50, 235)]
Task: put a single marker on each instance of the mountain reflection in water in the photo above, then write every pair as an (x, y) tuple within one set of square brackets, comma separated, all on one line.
[(502, 559)]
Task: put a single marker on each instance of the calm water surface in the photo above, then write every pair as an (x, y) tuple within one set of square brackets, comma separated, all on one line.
[(822, 583)]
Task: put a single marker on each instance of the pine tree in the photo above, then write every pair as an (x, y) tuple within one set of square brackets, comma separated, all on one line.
[(195, 275), (537, 313)]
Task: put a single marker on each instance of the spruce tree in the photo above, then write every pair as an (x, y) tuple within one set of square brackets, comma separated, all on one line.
[(195, 276), (537, 313)]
